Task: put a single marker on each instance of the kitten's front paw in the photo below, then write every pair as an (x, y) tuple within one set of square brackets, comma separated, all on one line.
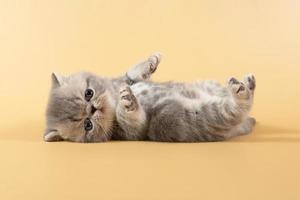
[(127, 99), (153, 62)]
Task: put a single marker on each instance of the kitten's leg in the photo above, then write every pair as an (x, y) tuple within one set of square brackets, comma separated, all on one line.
[(143, 70), (225, 112), (130, 114), (242, 93), (242, 129)]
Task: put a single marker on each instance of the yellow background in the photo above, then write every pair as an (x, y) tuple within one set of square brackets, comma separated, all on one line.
[(204, 39)]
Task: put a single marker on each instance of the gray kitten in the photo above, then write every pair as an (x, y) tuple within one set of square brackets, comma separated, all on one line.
[(87, 108)]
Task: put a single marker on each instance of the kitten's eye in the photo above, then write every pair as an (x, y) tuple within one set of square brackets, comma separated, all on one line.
[(88, 125), (88, 94)]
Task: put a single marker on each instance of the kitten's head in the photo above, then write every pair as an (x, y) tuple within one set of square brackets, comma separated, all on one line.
[(80, 109)]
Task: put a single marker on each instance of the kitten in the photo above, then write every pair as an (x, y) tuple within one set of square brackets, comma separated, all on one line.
[(84, 107)]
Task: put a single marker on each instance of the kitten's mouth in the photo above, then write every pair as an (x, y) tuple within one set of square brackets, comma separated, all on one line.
[(101, 109)]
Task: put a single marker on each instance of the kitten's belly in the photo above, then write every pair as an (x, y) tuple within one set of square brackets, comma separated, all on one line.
[(149, 93), (141, 88)]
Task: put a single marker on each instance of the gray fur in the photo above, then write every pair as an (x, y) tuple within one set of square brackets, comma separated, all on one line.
[(168, 112)]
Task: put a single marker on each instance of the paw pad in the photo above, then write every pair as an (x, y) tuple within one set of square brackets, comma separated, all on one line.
[(127, 99)]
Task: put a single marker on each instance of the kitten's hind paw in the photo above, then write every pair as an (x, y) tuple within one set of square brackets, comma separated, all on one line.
[(250, 81), (127, 99), (238, 89)]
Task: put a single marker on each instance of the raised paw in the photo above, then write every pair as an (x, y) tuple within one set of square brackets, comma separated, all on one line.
[(239, 89), (127, 99), (250, 82), (143, 70), (154, 60), (151, 65)]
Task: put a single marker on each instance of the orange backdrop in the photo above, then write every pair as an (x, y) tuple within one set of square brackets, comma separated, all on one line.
[(200, 39)]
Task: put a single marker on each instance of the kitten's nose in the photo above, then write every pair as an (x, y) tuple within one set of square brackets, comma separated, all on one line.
[(93, 109)]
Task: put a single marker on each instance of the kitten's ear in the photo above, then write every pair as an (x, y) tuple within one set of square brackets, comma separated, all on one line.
[(57, 80), (53, 136)]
